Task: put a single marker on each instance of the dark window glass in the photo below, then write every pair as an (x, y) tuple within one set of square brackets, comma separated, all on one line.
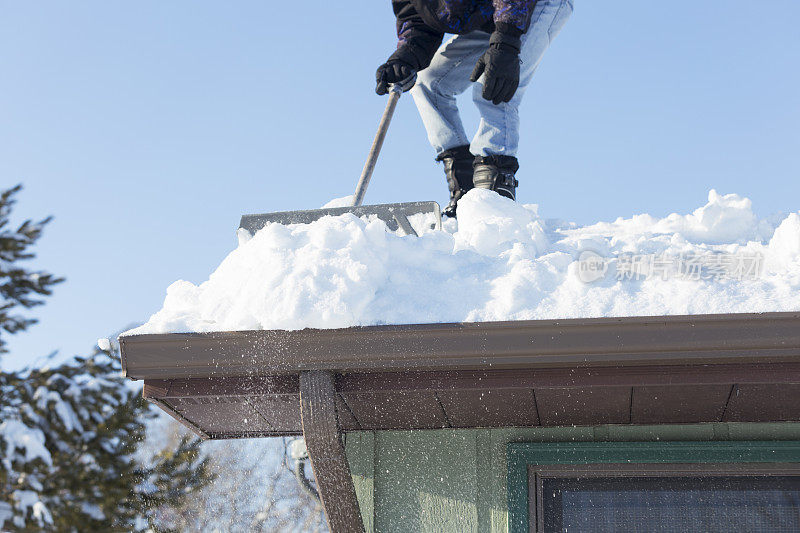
[(683, 504)]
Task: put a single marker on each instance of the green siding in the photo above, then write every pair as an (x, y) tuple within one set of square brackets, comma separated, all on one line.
[(361, 456), (455, 480), (425, 486)]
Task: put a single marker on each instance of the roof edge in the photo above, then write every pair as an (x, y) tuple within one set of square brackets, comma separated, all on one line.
[(667, 339)]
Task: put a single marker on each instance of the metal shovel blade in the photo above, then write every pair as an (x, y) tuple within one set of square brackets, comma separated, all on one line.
[(403, 219), (411, 218)]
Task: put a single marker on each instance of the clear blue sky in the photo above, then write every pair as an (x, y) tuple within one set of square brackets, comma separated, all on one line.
[(147, 128)]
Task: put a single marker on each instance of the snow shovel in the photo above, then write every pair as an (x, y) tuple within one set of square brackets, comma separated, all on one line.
[(400, 218)]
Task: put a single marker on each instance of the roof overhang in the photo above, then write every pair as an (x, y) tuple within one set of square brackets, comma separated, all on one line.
[(667, 369)]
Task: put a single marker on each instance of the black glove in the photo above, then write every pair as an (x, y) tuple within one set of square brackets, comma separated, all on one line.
[(399, 67), (413, 55), (501, 65)]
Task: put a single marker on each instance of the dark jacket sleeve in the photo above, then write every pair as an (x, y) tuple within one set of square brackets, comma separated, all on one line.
[(513, 16), (414, 34)]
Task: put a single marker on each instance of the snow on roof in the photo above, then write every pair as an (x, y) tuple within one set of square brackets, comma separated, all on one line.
[(499, 261)]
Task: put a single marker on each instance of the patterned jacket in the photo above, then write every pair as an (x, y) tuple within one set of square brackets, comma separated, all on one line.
[(462, 16), (421, 24)]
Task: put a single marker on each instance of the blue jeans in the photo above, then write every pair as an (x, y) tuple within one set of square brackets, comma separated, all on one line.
[(448, 75)]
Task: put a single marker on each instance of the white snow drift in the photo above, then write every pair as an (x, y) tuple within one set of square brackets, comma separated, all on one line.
[(501, 261)]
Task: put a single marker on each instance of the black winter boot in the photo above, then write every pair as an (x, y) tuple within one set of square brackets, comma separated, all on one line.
[(496, 173), (458, 171)]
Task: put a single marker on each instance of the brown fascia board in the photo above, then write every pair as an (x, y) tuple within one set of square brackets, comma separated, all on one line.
[(623, 341)]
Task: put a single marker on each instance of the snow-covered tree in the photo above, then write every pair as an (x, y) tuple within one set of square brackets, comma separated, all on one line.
[(19, 287), (70, 437), (71, 434)]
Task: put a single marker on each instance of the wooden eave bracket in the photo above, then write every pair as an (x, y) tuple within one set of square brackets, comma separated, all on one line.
[(325, 448)]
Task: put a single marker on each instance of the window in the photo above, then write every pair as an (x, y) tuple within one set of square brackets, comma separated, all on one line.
[(656, 501), (673, 486)]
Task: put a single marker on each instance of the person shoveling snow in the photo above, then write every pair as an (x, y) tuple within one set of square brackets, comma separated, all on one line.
[(496, 49), (504, 40)]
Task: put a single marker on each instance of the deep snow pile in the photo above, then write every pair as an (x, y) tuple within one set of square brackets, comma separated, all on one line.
[(500, 261)]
